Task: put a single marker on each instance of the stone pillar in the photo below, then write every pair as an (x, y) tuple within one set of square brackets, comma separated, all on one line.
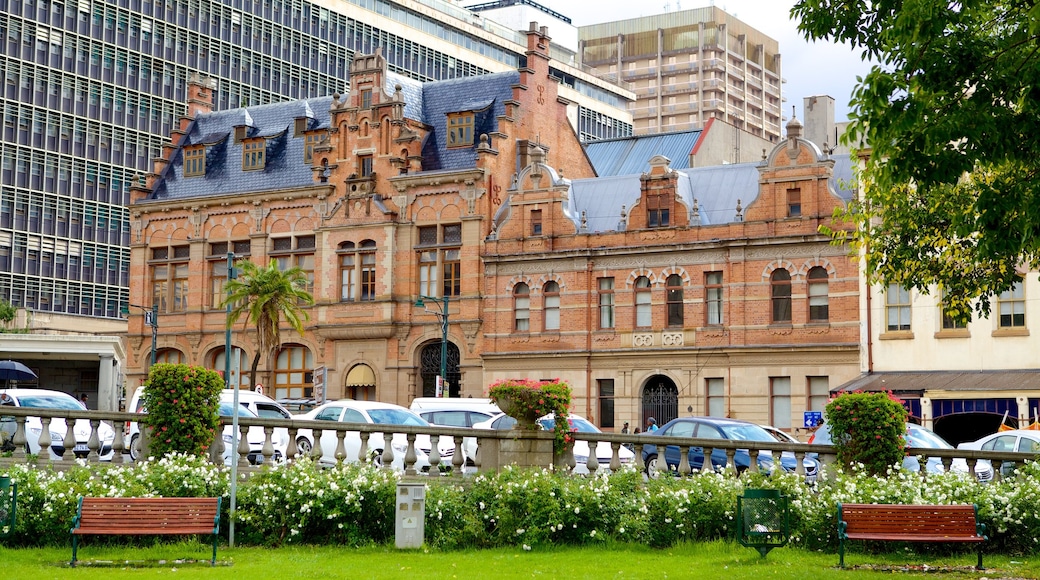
[(106, 384)]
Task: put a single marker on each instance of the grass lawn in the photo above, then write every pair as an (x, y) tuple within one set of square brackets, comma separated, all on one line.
[(723, 560)]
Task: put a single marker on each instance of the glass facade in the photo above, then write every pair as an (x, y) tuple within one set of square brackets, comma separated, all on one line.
[(91, 89)]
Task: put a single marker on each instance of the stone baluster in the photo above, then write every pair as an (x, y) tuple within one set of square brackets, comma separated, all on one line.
[(268, 449), (615, 456), (387, 458), (45, 438), (799, 459), (458, 462), (592, 462), (118, 442), (638, 461), (754, 456), (94, 442), (435, 453), (410, 456), (19, 440), (341, 448), (243, 446), (731, 462), (316, 451), (707, 466), (363, 449), (684, 459), (290, 449)]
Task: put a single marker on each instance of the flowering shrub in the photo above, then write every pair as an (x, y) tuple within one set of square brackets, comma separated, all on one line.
[(527, 400), (868, 428), (353, 504), (183, 404)]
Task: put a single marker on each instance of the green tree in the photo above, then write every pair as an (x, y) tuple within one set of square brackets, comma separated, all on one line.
[(7, 313), (950, 116), (266, 296)]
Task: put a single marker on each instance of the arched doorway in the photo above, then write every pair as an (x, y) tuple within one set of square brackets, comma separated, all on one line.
[(430, 367), (660, 400)]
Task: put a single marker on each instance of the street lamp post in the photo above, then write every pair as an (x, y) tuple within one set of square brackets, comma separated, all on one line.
[(151, 318), (442, 316)]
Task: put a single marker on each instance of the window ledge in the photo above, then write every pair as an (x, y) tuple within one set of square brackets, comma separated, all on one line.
[(897, 335), (1019, 331), (953, 333)]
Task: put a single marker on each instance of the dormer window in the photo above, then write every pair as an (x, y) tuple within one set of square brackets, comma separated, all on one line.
[(658, 211), (310, 141), (460, 129), (254, 154), (195, 161)]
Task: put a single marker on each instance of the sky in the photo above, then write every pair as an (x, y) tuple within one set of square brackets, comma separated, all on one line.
[(810, 69)]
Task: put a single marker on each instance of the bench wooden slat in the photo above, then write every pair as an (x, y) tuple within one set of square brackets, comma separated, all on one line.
[(909, 523), (147, 516)]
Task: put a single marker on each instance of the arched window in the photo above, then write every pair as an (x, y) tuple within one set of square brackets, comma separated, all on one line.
[(521, 308), (551, 293), (292, 373), (818, 300), (244, 365), (781, 295), (644, 317), (675, 300)]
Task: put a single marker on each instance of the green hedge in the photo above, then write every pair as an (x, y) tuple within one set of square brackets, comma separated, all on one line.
[(353, 505)]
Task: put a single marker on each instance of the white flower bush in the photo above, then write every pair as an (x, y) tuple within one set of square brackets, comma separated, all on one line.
[(354, 504)]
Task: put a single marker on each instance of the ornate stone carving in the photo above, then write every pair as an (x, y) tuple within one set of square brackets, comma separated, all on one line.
[(643, 340), (673, 338)]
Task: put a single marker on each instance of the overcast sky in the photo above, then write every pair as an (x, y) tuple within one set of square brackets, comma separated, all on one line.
[(810, 69)]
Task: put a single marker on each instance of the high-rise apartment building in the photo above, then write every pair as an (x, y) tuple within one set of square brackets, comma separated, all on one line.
[(91, 90), (688, 67)]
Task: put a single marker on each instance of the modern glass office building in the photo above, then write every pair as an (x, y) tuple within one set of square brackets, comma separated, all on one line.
[(92, 89)]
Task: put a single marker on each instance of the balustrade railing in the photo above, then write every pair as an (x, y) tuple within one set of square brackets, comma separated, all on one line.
[(447, 451)]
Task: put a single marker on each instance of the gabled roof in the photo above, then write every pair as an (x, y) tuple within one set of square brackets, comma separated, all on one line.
[(628, 155)]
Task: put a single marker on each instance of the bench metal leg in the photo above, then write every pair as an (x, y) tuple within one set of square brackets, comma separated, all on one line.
[(213, 562), (75, 544), (980, 559), (841, 552)]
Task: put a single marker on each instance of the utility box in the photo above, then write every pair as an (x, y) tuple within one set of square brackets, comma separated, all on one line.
[(410, 515)]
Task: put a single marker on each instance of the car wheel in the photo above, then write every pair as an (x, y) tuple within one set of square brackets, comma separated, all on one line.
[(135, 447), (303, 447), (651, 467)]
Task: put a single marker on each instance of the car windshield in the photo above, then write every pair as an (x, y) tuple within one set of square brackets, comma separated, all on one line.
[(396, 417), (739, 432), (50, 402), (577, 424), (226, 407), (920, 437)]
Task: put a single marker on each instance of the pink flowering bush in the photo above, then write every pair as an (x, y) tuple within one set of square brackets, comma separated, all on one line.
[(183, 405)]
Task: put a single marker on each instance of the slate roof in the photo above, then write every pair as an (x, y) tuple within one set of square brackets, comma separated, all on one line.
[(429, 103), (716, 189), (628, 155)]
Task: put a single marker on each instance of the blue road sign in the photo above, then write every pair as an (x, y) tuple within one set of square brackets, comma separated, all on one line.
[(813, 418)]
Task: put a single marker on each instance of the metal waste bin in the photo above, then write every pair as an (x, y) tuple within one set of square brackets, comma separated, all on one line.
[(8, 505), (410, 515), (764, 519)]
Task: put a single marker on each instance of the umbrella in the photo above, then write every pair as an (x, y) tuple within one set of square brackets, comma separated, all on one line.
[(12, 369)]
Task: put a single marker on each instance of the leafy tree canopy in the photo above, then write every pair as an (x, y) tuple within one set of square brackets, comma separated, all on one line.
[(950, 116)]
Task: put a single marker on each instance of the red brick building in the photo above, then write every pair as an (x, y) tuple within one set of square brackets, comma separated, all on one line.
[(704, 291)]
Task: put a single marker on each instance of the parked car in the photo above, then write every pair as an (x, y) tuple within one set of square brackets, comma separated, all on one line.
[(1014, 441), (779, 434), (720, 428), (917, 436), (376, 413), (251, 405), (454, 411), (46, 399), (604, 452)]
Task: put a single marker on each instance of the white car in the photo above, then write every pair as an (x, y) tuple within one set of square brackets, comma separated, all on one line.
[(604, 451), (44, 399), (1013, 441), (454, 411), (371, 412), (251, 404), (779, 434)]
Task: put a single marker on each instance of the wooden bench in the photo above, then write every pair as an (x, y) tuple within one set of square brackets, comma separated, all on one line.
[(145, 516), (909, 523)]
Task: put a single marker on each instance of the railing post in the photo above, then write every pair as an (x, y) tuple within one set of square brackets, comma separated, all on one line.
[(410, 456), (387, 458), (268, 449), (94, 442)]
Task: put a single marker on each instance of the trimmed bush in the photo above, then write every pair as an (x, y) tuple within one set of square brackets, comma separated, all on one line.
[(868, 429), (183, 406)]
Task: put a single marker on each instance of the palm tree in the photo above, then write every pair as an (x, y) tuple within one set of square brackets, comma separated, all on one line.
[(267, 295)]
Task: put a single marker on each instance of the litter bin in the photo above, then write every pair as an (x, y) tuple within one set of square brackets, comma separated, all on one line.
[(8, 505), (410, 515), (764, 519)]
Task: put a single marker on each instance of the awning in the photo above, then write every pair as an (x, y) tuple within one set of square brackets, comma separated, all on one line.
[(361, 376), (921, 381)]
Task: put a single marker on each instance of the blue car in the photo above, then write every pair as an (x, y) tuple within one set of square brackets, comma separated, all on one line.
[(719, 428)]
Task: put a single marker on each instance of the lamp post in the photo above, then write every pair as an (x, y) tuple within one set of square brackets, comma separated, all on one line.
[(151, 318), (442, 316)]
